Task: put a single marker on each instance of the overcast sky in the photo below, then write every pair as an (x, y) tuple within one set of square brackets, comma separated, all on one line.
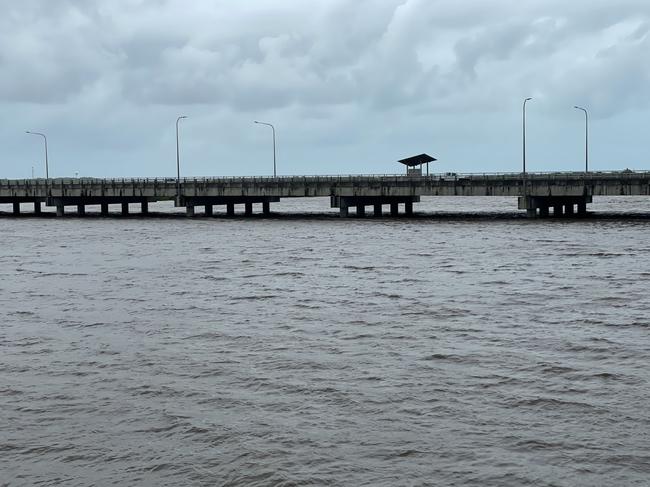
[(351, 85)]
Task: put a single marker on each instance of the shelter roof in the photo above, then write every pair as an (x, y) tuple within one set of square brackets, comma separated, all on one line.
[(417, 160)]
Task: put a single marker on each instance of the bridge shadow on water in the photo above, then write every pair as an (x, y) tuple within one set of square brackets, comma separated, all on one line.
[(327, 216)]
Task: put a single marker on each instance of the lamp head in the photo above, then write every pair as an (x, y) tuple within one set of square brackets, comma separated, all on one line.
[(528, 99)]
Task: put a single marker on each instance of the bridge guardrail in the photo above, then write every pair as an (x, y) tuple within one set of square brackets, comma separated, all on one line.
[(329, 178)]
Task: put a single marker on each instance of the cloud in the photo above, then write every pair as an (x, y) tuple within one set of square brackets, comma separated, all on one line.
[(334, 62)]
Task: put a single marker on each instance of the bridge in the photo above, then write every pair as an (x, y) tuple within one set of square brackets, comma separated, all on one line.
[(540, 194)]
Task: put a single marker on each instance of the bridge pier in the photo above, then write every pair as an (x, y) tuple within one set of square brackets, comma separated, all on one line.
[(230, 209), (561, 205), (60, 210), (81, 210), (125, 209), (189, 210), (376, 202), (209, 210), (104, 209), (144, 207), (248, 209), (37, 207), (16, 208), (266, 208)]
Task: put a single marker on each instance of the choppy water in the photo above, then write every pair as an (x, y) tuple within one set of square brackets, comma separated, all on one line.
[(306, 350)]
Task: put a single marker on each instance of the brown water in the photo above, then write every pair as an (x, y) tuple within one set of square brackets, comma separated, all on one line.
[(484, 350)]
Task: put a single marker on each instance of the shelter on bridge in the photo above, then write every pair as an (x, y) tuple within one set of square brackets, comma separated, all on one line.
[(411, 164)]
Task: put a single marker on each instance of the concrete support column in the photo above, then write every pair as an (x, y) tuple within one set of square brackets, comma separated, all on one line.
[(568, 209), (209, 210), (531, 213), (408, 208), (266, 208), (189, 210), (394, 209), (60, 210), (81, 210), (37, 207), (104, 209), (361, 210), (582, 209), (557, 210), (144, 207), (378, 210), (230, 209), (343, 211), (248, 209), (16, 208), (125, 209), (543, 211)]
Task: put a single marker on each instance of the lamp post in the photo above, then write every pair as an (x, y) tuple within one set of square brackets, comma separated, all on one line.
[(524, 135), (274, 156), (586, 136), (178, 164), (47, 170)]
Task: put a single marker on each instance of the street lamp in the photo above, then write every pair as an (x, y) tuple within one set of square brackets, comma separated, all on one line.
[(524, 135), (178, 164), (274, 156), (586, 136), (47, 170)]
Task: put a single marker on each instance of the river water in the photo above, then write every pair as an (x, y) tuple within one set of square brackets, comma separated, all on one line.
[(299, 350)]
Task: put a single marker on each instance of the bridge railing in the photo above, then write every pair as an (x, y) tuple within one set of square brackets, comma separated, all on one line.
[(329, 178)]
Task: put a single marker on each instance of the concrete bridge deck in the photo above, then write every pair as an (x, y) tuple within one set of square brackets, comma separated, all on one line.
[(564, 192)]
